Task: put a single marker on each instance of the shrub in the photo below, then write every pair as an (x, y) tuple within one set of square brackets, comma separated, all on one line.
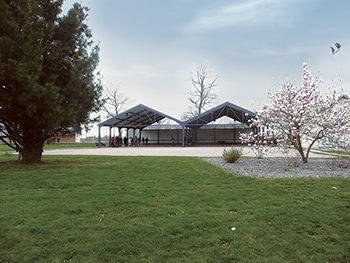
[(232, 155), (290, 162)]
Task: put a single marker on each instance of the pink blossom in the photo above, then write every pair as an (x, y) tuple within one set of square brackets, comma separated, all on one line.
[(299, 117)]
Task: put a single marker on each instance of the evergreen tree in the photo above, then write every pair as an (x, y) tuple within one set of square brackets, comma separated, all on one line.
[(48, 79)]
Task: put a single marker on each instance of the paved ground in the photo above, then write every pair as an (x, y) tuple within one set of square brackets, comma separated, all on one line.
[(167, 151)]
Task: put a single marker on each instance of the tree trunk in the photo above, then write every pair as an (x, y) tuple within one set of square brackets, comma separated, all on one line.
[(32, 154), (301, 151)]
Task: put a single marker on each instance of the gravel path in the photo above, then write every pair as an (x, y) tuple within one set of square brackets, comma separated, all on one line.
[(285, 167)]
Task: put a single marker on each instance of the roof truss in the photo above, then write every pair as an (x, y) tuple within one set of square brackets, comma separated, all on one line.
[(137, 117), (142, 116), (226, 109)]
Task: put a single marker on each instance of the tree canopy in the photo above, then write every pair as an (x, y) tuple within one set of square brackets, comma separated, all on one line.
[(48, 79)]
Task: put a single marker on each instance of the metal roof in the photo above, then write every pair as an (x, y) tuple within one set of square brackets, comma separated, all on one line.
[(137, 117), (226, 109)]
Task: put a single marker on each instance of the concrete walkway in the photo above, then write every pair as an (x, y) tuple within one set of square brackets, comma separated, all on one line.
[(170, 151)]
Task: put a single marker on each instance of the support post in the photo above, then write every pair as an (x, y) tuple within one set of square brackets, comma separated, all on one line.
[(158, 135), (110, 136), (99, 136), (183, 136)]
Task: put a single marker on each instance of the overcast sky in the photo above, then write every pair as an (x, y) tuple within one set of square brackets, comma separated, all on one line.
[(150, 47)]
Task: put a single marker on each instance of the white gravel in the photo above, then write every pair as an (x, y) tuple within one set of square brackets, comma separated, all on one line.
[(285, 167)]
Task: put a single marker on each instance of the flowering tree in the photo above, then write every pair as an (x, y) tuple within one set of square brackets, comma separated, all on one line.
[(299, 117), (340, 139), (259, 142)]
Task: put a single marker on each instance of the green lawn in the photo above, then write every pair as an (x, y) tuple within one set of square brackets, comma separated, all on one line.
[(166, 209), (340, 152), (52, 146)]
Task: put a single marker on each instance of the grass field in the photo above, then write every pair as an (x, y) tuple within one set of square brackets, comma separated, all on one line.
[(166, 209), (340, 152), (52, 146)]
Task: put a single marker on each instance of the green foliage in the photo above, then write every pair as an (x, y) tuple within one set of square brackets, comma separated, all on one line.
[(48, 82), (232, 155), (345, 153), (166, 209)]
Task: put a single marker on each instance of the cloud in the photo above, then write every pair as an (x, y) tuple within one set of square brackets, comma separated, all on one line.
[(266, 52), (245, 13), (292, 50)]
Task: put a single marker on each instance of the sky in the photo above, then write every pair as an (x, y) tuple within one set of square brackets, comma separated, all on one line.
[(150, 47)]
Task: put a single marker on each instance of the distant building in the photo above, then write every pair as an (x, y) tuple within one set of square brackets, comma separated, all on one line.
[(71, 138), (342, 100), (4, 137)]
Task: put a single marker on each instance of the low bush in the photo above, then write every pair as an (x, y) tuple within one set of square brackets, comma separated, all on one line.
[(232, 155), (290, 162)]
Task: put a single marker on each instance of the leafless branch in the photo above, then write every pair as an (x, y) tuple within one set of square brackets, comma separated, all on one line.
[(202, 94), (114, 100)]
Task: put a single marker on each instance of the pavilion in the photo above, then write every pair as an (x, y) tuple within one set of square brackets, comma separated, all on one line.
[(140, 117)]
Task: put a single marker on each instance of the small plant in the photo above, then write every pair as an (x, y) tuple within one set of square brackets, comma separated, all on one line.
[(232, 155), (287, 164), (290, 162)]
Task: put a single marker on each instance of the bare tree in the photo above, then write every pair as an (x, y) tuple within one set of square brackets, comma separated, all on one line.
[(202, 95), (114, 100)]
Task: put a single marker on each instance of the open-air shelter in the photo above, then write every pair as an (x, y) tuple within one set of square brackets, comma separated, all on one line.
[(136, 118), (225, 109), (141, 116)]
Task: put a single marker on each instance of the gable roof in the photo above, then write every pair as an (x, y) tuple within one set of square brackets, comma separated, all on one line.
[(226, 109), (137, 117)]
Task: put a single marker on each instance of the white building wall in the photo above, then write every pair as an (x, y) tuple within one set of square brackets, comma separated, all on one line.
[(204, 136), (162, 136)]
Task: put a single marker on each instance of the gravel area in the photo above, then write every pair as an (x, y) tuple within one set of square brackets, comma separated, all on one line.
[(285, 167)]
